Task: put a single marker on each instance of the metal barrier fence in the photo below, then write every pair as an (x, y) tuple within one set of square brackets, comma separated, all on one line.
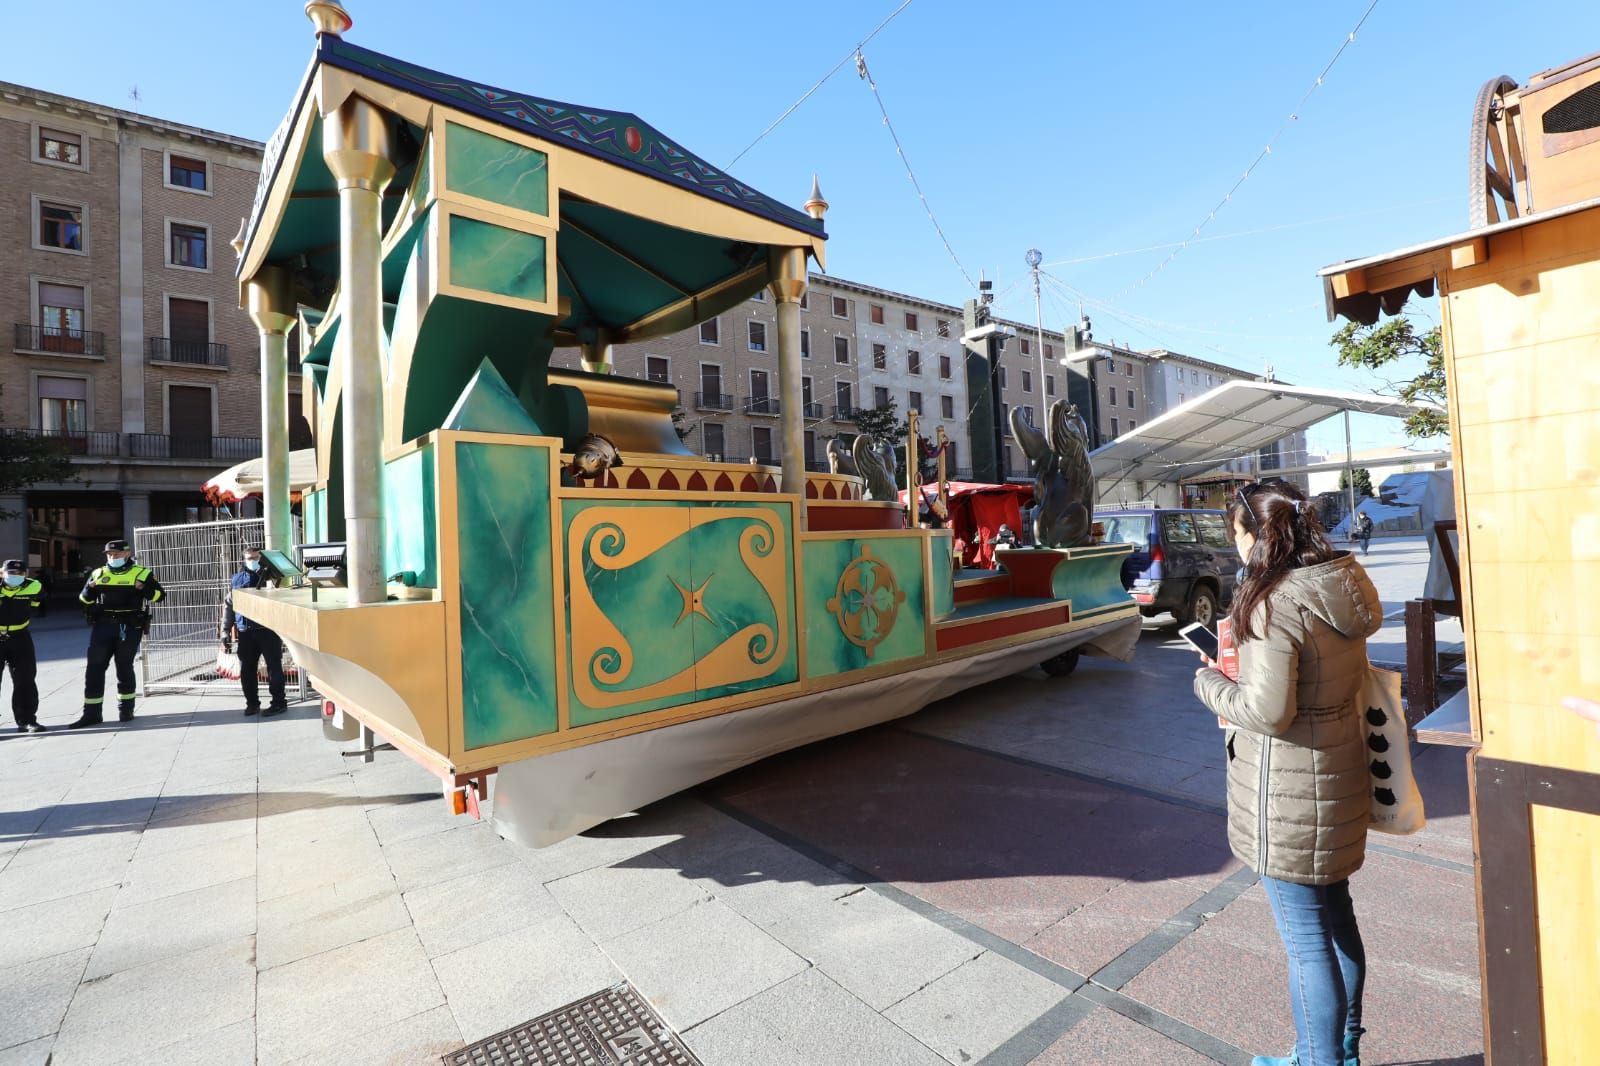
[(194, 563)]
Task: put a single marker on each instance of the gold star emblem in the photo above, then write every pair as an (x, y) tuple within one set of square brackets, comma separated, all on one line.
[(693, 602)]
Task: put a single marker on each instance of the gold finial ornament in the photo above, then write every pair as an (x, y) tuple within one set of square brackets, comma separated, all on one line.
[(329, 17), (816, 207), (238, 238)]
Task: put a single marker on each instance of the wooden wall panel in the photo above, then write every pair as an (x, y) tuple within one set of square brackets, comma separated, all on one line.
[(1537, 451), (1554, 379), (1566, 862), (1543, 528)]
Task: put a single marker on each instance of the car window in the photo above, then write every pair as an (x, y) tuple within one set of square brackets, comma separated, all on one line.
[(1178, 529), (1213, 531), (1128, 529)]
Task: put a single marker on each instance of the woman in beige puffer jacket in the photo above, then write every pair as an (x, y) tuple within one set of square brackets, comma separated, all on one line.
[(1299, 786)]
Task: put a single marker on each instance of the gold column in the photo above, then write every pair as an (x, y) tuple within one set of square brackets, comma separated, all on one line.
[(355, 143), (788, 285), (270, 298), (596, 355)]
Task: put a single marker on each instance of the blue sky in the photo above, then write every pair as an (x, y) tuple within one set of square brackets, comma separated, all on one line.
[(1086, 131)]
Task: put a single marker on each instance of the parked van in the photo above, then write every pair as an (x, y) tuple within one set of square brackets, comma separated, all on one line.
[(1183, 561)]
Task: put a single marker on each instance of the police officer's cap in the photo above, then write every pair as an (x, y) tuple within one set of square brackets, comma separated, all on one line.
[(117, 546), (14, 566)]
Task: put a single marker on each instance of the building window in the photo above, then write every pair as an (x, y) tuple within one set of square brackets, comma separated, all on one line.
[(758, 336), (1026, 350), (805, 393), (1027, 381), (880, 357), (841, 349), (914, 402), (842, 396), (1005, 419), (187, 173), (805, 344), (188, 331), (61, 226), (911, 321), (1112, 363), (711, 384), (1002, 377), (811, 448), (1008, 459), (61, 322), (1049, 351), (880, 396), (1132, 425), (656, 368), (874, 312), (761, 444), (1130, 370), (1049, 385), (760, 297), (805, 301), (1130, 397), (947, 406), (944, 367), (1114, 431), (1196, 374), (841, 307), (759, 396), (1208, 380), (58, 147), (914, 362), (63, 405), (188, 246), (1111, 393), (941, 326), (711, 331), (714, 439)]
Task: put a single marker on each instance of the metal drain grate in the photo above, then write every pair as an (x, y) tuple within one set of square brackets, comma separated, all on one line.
[(611, 1028)]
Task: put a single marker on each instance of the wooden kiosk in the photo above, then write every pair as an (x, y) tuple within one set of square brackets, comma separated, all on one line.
[(1520, 314)]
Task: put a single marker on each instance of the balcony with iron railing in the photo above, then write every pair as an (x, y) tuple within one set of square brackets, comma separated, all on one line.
[(817, 466), (844, 412), (813, 410), (714, 401), (55, 341), (762, 405), (76, 441), (192, 446), (185, 353)]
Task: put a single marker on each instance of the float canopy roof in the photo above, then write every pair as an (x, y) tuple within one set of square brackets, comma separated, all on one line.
[(1233, 420)]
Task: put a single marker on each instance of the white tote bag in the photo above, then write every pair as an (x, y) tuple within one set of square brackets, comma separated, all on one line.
[(1396, 802)]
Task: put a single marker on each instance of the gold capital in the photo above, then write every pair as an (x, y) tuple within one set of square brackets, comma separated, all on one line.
[(356, 145), (788, 269), (269, 297)]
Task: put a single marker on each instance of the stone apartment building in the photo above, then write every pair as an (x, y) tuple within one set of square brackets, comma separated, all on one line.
[(127, 343), (861, 346)]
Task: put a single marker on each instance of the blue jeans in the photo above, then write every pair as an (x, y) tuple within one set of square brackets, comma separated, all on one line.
[(1327, 965)]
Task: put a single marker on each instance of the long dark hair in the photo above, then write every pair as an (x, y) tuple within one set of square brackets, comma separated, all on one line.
[(1289, 535)]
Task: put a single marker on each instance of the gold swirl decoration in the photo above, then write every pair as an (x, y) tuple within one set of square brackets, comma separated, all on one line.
[(627, 535)]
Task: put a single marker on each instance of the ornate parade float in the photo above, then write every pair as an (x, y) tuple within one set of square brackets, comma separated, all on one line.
[(520, 570)]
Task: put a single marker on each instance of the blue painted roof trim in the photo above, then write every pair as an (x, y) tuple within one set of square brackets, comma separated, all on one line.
[(569, 125)]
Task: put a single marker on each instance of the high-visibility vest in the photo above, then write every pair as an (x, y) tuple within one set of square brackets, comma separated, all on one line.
[(28, 594)]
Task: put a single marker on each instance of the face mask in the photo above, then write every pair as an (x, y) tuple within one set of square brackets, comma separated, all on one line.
[(252, 565), (14, 580), (116, 564)]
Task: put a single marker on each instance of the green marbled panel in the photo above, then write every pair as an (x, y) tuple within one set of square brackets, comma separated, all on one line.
[(645, 605), (495, 259), (716, 556), (410, 517), (943, 578), (314, 511), (482, 165), (508, 646), (828, 650), (1092, 579)]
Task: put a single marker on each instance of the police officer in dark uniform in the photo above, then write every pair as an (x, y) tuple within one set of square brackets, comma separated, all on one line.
[(116, 599), (256, 641), (20, 596)]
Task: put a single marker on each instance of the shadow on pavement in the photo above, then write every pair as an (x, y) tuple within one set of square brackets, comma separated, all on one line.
[(133, 814)]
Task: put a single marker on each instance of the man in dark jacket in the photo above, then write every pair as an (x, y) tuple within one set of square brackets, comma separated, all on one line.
[(255, 641), (20, 596), (116, 600)]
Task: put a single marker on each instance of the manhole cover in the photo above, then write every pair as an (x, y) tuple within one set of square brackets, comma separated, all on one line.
[(611, 1028)]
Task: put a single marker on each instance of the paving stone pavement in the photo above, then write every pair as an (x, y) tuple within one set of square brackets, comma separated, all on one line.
[(1032, 872)]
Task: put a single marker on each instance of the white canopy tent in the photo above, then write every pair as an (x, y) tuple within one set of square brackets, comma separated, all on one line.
[(1232, 421), (247, 478)]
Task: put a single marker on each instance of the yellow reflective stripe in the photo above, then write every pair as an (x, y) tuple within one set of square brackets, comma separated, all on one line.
[(13, 629), (87, 700)]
